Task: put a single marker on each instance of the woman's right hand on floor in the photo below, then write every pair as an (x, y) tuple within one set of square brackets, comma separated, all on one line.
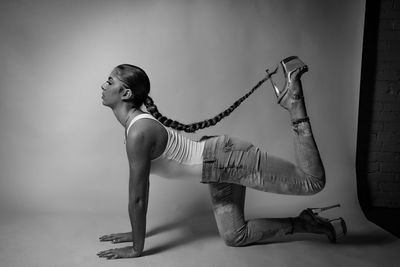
[(117, 238)]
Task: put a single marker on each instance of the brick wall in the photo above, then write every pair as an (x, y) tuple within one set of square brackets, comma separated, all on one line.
[(378, 147)]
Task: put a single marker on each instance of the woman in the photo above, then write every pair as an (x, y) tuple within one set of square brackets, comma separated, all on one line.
[(227, 164)]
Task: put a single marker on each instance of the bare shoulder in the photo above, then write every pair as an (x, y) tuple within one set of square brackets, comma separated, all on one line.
[(141, 137)]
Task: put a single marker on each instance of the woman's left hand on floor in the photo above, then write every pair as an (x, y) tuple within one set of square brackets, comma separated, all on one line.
[(118, 253)]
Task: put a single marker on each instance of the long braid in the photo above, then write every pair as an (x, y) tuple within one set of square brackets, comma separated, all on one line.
[(190, 128), (152, 108)]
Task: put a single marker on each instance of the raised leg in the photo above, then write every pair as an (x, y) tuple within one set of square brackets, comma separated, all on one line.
[(291, 98), (262, 171)]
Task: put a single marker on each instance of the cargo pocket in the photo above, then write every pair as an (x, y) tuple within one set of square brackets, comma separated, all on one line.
[(236, 144)]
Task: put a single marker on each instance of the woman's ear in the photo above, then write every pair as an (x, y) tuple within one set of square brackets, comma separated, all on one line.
[(127, 94)]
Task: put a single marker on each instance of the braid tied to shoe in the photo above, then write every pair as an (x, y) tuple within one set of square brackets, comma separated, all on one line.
[(137, 80)]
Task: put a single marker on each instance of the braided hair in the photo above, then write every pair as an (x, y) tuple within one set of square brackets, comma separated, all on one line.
[(135, 77)]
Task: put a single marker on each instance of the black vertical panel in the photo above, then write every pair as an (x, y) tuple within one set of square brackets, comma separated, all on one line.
[(368, 75)]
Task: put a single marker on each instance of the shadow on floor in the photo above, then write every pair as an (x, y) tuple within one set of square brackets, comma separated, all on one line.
[(197, 223), (370, 238)]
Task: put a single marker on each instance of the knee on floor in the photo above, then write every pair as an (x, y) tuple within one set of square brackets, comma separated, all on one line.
[(235, 239)]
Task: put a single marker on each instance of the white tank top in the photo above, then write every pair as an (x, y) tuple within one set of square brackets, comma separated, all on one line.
[(182, 157)]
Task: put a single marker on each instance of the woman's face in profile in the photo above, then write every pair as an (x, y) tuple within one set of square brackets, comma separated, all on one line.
[(111, 94)]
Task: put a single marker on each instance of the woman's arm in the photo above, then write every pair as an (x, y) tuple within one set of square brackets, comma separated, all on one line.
[(139, 146)]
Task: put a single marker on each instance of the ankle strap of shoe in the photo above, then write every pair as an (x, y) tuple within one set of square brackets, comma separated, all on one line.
[(297, 121)]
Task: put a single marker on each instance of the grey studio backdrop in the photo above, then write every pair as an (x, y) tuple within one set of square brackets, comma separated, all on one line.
[(62, 152)]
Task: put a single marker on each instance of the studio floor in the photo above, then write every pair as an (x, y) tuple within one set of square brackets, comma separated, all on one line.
[(71, 239)]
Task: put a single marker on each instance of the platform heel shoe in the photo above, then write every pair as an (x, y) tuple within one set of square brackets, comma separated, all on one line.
[(335, 229), (293, 68)]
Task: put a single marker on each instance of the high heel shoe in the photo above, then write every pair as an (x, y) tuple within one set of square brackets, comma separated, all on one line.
[(293, 68), (334, 228)]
